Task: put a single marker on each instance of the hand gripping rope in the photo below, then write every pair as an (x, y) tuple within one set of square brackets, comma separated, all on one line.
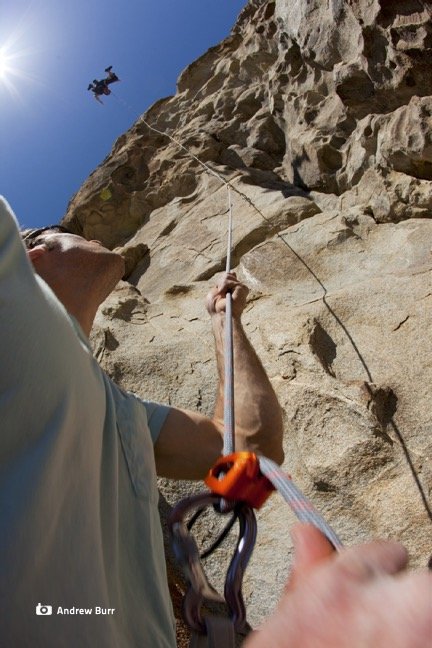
[(239, 482)]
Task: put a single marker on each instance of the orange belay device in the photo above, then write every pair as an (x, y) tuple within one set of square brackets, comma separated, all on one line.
[(238, 477)]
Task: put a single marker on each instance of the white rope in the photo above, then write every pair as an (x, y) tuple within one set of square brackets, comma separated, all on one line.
[(230, 227), (203, 164), (298, 502), (229, 417)]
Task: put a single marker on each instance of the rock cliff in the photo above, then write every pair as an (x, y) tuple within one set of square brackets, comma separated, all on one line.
[(319, 116)]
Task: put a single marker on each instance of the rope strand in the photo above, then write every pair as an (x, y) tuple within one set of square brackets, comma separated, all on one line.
[(300, 505), (229, 416), (203, 164)]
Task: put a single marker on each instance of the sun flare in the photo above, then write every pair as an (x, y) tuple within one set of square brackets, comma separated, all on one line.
[(7, 67), (11, 68), (4, 68)]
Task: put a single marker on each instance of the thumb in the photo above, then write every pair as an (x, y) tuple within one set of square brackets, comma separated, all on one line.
[(311, 548)]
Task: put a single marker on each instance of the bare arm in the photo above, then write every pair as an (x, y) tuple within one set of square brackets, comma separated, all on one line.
[(189, 443), (258, 418)]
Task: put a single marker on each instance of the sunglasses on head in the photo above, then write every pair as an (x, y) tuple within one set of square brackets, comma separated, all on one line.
[(30, 238)]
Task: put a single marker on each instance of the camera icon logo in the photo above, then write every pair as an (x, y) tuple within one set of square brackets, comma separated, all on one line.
[(43, 610)]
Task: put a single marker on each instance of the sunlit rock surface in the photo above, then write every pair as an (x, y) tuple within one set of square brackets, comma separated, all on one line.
[(319, 116)]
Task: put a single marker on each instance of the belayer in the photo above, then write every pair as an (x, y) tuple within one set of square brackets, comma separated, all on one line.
[(79, 518), (101, 87)]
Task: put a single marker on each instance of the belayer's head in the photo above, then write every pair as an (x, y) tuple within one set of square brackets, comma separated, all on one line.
[(81, 273), (32, 236)]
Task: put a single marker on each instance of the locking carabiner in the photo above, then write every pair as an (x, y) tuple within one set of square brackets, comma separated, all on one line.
[(186, 552), (239, 562)]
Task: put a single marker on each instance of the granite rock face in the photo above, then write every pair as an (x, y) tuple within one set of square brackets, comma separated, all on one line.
[(319, 116)]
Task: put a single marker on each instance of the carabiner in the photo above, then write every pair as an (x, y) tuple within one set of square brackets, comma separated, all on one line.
[(186, 552), (187, 555), (234, 579)]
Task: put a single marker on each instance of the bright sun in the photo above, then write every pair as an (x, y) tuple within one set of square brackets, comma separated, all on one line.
[(3, 65), (5, 68), (18, 57), (9, 71)]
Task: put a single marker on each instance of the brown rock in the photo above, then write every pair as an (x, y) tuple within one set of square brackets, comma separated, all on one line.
[(319, 116)]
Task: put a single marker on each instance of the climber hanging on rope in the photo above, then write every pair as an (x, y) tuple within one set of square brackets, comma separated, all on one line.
[(101, 87)]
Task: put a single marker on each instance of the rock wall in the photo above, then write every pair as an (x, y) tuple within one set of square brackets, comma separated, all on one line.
[(319, 116)]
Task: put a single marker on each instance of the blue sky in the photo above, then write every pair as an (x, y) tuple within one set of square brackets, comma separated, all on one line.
[(53, 134)]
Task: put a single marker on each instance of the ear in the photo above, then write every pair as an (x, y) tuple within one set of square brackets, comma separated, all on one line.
[(37, 252)]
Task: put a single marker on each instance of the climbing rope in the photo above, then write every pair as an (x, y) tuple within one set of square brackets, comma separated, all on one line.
[(238, 481), (302, 508), (229, 417), (175, 141), (300, 505)]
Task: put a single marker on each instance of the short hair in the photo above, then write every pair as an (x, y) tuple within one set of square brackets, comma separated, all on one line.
[(30, 236)]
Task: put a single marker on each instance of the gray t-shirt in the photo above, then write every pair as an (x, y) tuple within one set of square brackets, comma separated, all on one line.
[(79, 523)]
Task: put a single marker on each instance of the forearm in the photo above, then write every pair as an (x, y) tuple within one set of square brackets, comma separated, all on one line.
[(258, 417)]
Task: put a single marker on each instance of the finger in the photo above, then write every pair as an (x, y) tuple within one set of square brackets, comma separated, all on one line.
[(236, 288), (311, 548), (371, 560), (228, 280), (226, 275)]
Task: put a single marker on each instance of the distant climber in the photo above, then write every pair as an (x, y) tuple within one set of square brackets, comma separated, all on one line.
[(101, 87)]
